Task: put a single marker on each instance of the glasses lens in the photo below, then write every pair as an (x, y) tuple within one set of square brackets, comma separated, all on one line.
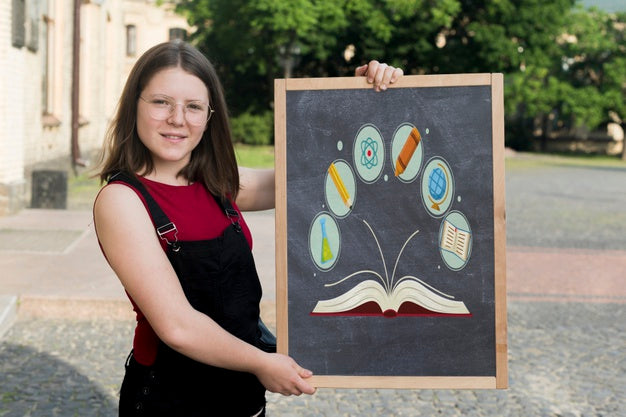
[(158, 108), (196, 113)]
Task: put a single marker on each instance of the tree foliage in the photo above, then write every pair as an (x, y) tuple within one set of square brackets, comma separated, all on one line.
[(564, 66), (594, 65)]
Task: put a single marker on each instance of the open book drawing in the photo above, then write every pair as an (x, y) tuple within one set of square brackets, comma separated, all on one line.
[(408, 296), (455, 240)]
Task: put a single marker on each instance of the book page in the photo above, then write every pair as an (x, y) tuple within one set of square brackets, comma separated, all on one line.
[(462, 243), (455, 240), (366, 291), (448, 236), (412, 291)]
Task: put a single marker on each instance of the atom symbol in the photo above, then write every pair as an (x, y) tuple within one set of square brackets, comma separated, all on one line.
[(369, 153)]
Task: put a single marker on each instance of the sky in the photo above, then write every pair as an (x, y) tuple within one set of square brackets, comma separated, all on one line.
[(607, 5)]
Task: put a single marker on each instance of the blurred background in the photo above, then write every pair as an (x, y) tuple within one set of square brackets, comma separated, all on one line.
[(64, 64)]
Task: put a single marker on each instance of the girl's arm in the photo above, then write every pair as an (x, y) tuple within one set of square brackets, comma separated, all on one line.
[(256, 189), (132, 248)]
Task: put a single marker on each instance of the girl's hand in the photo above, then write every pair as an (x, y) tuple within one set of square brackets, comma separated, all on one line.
[(379, 74), (283, 375)]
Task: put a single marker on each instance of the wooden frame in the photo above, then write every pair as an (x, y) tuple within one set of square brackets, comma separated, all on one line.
[(343, 85)]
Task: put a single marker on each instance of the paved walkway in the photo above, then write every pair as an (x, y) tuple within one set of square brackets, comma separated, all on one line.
[(66, 326)]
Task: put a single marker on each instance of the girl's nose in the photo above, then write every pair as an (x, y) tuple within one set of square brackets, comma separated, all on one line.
[(177, 116)]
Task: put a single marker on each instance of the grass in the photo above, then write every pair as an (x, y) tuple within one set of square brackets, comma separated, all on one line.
[(82, 190), (255, 156), (536, 160)]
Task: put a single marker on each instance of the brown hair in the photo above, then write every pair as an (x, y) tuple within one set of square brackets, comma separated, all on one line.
[(212, 162)]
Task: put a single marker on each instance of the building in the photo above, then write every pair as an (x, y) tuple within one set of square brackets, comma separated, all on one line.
[(52, 109)]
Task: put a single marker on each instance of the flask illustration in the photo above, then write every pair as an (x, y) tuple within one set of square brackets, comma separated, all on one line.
[(327, 253)]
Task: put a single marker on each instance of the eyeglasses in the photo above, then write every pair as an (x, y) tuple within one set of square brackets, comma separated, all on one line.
[(162, 108)]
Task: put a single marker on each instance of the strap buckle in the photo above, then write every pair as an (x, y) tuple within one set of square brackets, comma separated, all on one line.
[(233, 216), (170, 227)]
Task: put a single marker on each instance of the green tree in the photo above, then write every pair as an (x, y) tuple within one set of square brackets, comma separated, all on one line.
[(400, 32), (551, 82), (253, 42), (517, 38), (594, 68), (569, 75)]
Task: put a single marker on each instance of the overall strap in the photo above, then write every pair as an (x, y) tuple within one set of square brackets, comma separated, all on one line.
[(266, 340), (163, 225), (231, 213)]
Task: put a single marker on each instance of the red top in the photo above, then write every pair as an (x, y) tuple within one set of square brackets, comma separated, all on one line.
[(197, 217)]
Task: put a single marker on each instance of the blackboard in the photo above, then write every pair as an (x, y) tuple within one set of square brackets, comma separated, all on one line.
[(390, 240)]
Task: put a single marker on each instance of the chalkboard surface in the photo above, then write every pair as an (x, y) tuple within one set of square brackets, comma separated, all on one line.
[(390, 229)]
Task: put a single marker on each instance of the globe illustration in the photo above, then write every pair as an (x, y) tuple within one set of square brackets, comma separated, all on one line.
[(437, 183)]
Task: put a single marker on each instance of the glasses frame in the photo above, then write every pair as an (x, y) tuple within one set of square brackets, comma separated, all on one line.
[(171, 113)]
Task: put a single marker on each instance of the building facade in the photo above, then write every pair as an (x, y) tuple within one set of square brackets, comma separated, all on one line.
[(50, 108)]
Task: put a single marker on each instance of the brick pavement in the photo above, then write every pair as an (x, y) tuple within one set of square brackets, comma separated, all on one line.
[(567, 275), (67, 279)]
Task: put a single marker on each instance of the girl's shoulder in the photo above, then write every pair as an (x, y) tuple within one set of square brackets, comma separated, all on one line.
[(117, 194), (118, 203)]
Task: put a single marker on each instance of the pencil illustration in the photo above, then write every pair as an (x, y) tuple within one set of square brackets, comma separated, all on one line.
[(341, 188), (412, 141)]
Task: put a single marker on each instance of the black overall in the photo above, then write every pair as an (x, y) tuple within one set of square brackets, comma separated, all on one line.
[(219, 278)]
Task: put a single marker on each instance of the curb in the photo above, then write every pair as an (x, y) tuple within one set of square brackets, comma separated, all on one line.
[(43, 307), (8, 312)]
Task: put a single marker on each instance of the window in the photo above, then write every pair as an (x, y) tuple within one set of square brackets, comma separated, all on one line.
[(25, 24), (32, 25), (178, 34), (49, 70), (131, 40), (45, 64), (18, 30)]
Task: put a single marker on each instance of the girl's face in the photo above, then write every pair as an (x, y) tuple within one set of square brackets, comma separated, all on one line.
[(171, 136)]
